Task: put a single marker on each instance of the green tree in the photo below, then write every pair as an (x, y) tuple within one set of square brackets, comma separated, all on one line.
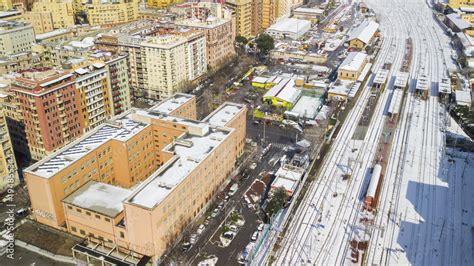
[(265, 43), (278, 201), (241, 40)]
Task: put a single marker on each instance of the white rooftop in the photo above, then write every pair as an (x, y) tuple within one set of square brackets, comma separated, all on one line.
[(364, 72), (171, 104), (315, 11), (221, 116), (307, 106), (460, 23), (285, 90), (444, 86), (463, 97), (121, 128), (381, 76), (189, 152), (51, 34), (396, 102), (353, 61), (364, 31), (99, 197), (401, 80), (259, 79), (291, 25), (290, 172), (422, 83)]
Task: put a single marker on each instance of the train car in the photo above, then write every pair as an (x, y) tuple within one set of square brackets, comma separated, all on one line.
[(376, 180)]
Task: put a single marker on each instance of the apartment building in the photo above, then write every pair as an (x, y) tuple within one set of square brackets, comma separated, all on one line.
[(15, 37), (269, 13), (47, 109), (18, 62), (8, 168), (460, 3), (88, 188), (219, 38), (162, 3), (117, 66), (46, 13), (92, 85), (170, 62), (5, 5), (242, 10), (110, 12)]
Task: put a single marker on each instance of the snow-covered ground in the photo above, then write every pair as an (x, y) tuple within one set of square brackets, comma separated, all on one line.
[(424, 212)]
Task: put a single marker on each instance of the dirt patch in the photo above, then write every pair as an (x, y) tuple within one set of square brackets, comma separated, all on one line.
[(46, 238)]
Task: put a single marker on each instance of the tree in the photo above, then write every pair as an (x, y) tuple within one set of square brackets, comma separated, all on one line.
[(241, 40), (278, 201), (265, 43)]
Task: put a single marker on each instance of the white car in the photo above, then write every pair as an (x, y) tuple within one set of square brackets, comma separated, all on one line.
[(193, 239), (201, 229), (253, 166), (233, 228), (254, 236), (260, 227), (215, 212)]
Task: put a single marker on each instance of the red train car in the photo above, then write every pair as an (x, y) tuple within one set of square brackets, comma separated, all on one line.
[(376, 180)]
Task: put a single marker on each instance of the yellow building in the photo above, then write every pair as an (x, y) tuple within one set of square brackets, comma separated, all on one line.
[(61, 14), (242, 11), (361, 36), (8, 168), (5, 5), (42, 21), (162, 3), (352, 66), (112, 12), (269, 13), (91, 189), (460, 3)]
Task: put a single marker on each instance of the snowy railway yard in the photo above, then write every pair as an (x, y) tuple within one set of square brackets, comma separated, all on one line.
[(423, 213)]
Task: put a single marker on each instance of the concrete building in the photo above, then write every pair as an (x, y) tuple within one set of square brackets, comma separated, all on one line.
[(61, 15), (458, 24), (171, 62), (312, 14), (48, 108), (361, 36), (460, 3), (54, 36), (162, 3), (119, 84), (8, 168), (111, 12), (290, 28), (269, 13), (242, 10), (15, 37), (5, 5), (18, 62), (91, 184), (219, 38), (352, 66)]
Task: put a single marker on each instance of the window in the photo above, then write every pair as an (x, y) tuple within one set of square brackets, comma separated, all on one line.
[(69, 207), (79, 210), (73, 229), (122, 235), (107, 219), (88, 213), (82, 232), (97, 216)]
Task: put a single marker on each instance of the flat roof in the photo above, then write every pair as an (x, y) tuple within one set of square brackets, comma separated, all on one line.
[(458, 21), (99, 197), (353, 61), (463, 97), (364, 31), (189, 152), (364, 72), (290, 172), (285, 90), (396, 102), (307, 106), (171, 104), (222, 115), (381, 76), (314, 11), (288, 184), (401, 80), (292, 25), (260, 79), (51, 34), (444, 86), (422, 83), (120, 128)]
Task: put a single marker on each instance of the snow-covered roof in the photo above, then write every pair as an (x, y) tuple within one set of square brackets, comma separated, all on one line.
[(285, 90), (288, 184), (401, 80), (354, 89), (225, 113), (365, 31), (171, 104), (99, 197), (307, 106), (396, 102), (467, 43), (259, 79), (121, 128), (460, 23), (291, 25), (364, 72), (341, 88), (288, 177), (354, 61), (189, 152), (46, 35), (374, 181), (314, 11), (422, 83), (381, 76), (444, 86), (463, 97)]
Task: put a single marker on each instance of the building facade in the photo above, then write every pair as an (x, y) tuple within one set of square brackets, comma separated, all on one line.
[(61, 15), (242, 10), (111, 12), (8, 168), (90, 185), (162, 3), (15, 37)]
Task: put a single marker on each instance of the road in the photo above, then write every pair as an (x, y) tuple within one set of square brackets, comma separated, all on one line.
[(330, 214)]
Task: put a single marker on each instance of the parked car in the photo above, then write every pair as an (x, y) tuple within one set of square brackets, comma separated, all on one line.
[(260, 227), (201, 229), (233, 228), (193, 239), (229, 235), (185, 246), (253, 166), (21, 212), (214, 213), (226, 198), (254, 236)]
